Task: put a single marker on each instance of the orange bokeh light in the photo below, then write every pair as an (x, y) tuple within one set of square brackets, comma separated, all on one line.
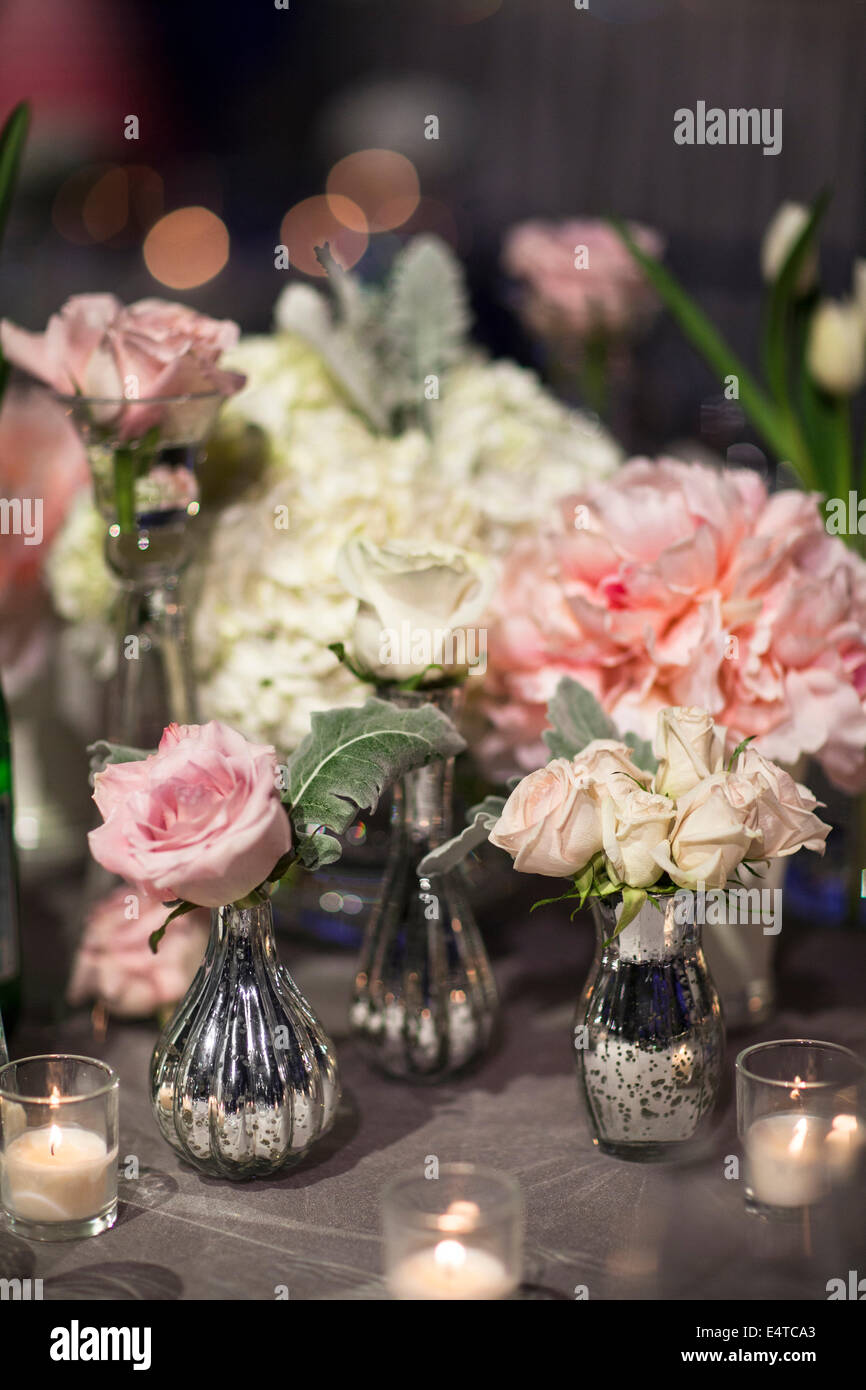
[(335, 220), (186, 248), (382, 183)]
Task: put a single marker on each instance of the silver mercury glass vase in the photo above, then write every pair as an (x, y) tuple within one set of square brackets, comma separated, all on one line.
[(243, 1078), (424, 1003), (649, 1038)]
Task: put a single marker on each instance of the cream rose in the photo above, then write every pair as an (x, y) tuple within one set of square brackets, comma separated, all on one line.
[(689, 747), (418, 607), (634, 824), (784, 809), (712, 834), (551, 823), (604, 758)]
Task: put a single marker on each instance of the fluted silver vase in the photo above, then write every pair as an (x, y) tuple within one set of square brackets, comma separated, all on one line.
[(424, 1004), (649, 1038), (244, 1078)]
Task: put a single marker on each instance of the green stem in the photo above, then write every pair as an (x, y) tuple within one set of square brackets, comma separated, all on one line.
[(124, 489)]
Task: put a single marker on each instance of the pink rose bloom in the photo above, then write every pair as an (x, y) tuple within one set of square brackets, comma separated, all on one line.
[(678, 584), (98, 348), (200, 819), (565, 297), (115, 964)]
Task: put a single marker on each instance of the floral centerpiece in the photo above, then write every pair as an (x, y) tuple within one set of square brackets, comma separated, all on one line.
[(244, 1078), (657, 839)]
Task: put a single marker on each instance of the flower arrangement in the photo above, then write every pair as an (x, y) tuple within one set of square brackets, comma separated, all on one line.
[(679, 584), (345, 445), (639, 822), (211, 819)]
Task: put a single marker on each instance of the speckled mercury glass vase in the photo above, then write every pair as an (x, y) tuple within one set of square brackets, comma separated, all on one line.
[(244, 1078), (649, 1038), (424, 1003)]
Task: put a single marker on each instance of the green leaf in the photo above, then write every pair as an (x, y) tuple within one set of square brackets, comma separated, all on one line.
[(577, 718), (777, 327), (317, 849), (744, 743), (339, 650), (721, 358), (180, 911), (12, 139), (633, 900), (102, 753), (448, 855), (426, 320), (351, 755)]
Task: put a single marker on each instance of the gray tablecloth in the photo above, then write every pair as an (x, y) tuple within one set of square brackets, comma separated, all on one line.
[(623, 1231)]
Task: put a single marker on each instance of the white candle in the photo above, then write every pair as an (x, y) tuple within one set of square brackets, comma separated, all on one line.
[(450, 1270), (57, 1173), (789, 1162)]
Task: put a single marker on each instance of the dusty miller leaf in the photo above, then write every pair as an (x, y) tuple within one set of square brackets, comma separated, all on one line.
[(305, 311), (426, 319), (350, 756), (577, 718), (483, 817), (102, 753)]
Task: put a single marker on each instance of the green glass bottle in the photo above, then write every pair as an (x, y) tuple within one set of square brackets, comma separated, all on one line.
[(10, 950)]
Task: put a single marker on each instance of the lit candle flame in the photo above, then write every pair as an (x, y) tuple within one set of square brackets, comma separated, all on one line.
[(55, 1138), (460, 1217), (799, 1138), (450, 1255), (795, 1094), (55, 1097)]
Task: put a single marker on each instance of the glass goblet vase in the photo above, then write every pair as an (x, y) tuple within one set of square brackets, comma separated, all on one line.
[(143, 455)]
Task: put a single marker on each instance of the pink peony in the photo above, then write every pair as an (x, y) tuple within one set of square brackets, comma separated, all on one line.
[(115, 964), (679, 584), (200, 819), (566, 298), (98, 348)]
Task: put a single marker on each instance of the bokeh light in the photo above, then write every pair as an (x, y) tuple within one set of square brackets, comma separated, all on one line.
[(105, 210), (334, 220), (382, 183), (186, 248)]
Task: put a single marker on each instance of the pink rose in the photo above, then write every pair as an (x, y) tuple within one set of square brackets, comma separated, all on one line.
[(784, 808), (606, 290), (115, 964), (551, 823), (97, 348), (200, 819)]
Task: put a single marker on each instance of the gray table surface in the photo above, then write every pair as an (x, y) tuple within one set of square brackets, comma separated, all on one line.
[(624, 1231)]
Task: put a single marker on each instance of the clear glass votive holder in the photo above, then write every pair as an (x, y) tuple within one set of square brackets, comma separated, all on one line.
[(457, 1236), (800, 1118), (58, 1146)]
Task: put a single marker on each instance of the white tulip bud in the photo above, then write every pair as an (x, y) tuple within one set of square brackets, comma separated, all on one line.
[(858, 289), (835, 350), (783, 230)]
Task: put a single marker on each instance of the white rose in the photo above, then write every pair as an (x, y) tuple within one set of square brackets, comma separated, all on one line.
[(711, 835), (604, 758), (783, 230), (835, 349), (634, 824), (551, 822), (418, 606), (689, 747), (784, 809)]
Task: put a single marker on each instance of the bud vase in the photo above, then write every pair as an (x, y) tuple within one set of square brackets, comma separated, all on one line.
[(143, 455), (424, 1003), (244, 1078), (648, 1036)]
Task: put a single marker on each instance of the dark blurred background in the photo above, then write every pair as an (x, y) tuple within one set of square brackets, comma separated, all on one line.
[(544, 110)]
